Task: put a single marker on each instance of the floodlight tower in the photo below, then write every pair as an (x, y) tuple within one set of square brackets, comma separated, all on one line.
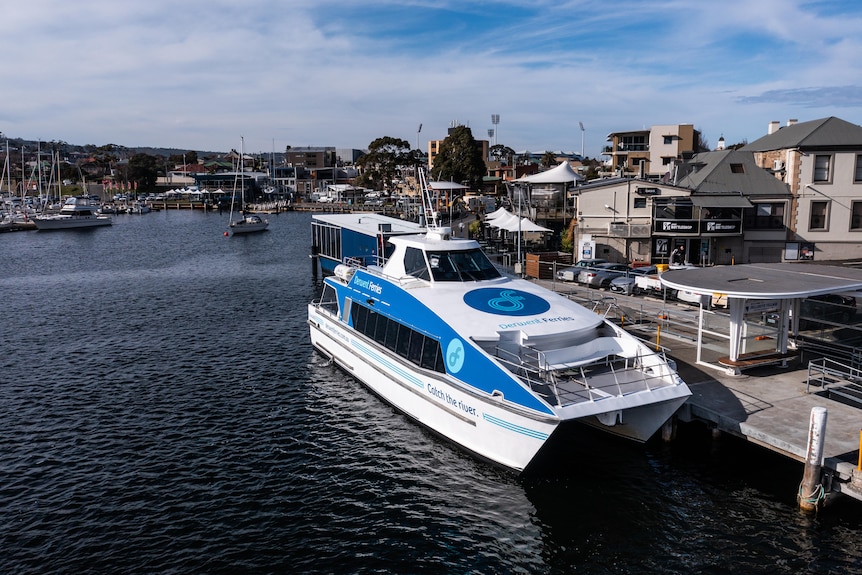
[(495, 119)]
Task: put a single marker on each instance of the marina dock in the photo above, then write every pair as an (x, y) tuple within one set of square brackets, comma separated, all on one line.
[(769, 406)]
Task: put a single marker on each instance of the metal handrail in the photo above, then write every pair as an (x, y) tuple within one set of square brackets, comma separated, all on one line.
[(823, 368)]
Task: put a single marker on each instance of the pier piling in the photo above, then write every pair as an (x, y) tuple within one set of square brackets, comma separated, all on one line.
[(811, 491)]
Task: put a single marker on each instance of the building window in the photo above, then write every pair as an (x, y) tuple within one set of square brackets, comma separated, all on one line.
[(668, 140), (822, 165), (858, 176), (819, 215), (764, 216), (639, 203), (856, 216), (737, 168)]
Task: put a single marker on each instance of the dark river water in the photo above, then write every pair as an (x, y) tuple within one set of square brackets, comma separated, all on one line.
[(162, 411)]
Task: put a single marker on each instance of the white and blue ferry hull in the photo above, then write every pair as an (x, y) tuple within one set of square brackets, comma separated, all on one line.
[(483, 426)]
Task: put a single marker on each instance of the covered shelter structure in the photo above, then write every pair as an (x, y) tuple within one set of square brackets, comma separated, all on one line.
[(764, 306), (549, 193), (561, 174)]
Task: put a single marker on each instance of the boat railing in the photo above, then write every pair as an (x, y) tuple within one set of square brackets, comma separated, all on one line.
[(592, 379), (528, 371)]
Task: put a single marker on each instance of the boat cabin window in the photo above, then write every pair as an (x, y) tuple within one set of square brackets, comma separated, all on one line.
[(416, 347), (414, 264), (461, 266)]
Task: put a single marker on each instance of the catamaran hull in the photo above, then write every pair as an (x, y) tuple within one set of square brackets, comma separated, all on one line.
[(482, 425)]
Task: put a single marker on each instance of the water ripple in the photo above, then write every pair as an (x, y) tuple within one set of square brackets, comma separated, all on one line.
[(163, 412)]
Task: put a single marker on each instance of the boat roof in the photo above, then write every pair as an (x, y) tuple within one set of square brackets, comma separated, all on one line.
[(369, 223)]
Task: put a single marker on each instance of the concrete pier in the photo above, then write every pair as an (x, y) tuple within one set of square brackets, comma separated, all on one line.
[(769, 405)]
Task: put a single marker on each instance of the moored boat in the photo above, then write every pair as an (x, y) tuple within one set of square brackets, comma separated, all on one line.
[(498, 365), (249, 223), (76, 212)]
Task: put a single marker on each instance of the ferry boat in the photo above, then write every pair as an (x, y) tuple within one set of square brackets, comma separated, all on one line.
[(498, 365)]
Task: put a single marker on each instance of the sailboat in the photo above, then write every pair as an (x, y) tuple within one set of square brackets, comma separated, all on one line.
[(247, 223)]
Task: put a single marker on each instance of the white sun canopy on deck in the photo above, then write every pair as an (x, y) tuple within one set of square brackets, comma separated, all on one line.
[(560, 175)]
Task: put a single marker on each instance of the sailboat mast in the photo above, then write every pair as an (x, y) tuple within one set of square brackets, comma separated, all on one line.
[(241, 175)]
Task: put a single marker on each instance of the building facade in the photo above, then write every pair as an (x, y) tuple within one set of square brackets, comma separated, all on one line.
[(705, 210), (821, 163), (651, 152)]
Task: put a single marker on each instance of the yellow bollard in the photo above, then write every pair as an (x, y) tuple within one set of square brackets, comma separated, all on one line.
[(658, 338), (859, 466)]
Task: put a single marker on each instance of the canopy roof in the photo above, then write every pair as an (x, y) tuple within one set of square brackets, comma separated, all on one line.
[(509, 222), (446, 186), (562, 174)]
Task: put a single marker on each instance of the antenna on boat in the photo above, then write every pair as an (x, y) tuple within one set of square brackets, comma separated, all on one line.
[(432, 217)]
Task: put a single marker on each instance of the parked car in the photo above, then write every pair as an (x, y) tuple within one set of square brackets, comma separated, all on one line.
[(625, 284), (570, 273), (600, 276), (829, 307)]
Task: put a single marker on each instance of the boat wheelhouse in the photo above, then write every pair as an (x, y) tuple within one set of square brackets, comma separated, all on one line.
[(360, 237)]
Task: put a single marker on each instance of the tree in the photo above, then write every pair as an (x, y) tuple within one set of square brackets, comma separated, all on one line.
[(499, 152), (143, 170), (460, 159), (381, 165), (190, 157), (549, 159)]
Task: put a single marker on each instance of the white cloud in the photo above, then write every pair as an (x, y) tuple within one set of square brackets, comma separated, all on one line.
[(199, 75)]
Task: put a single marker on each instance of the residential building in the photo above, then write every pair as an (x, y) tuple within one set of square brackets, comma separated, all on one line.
[(651, 152), (310, 157), (821, 163)]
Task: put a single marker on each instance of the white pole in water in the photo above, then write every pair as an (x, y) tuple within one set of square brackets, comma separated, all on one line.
[(811, 490)]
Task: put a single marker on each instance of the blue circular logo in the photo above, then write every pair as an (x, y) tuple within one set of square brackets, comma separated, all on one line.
[(506, 301), (454, 356)]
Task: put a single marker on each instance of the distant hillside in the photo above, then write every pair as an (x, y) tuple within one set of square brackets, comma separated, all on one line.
[(122, 152)]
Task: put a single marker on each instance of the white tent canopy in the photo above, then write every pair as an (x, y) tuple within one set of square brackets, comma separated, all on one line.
[(562, 174), (499, 212), (446, 186), (509, 222)]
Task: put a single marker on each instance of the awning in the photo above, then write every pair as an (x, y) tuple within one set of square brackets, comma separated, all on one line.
[(721, 202)]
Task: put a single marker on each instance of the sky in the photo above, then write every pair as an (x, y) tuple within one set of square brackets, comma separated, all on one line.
[(262, 75)]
